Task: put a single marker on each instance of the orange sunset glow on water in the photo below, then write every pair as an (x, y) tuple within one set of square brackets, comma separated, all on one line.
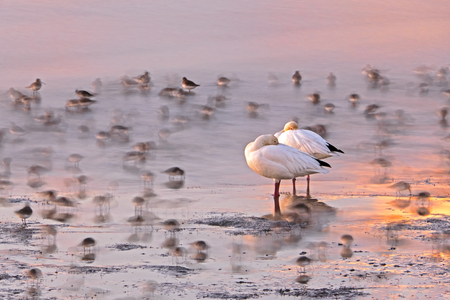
[(150, 150)]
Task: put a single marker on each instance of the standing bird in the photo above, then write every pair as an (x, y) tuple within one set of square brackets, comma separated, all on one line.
[(331, 80), (88, 243), (174, 172), (84, 94), (223, 81), (189, 85), (24, 213), (296, 78), (35, 86), (274, 160), (143, 79), (399, 187), (308, 142)]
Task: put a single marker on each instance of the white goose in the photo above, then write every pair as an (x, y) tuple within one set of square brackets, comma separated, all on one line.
[(274, 160), (306, 141)]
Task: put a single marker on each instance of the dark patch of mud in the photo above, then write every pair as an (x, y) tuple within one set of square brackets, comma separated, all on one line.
[(20, 200), (226, 295), (340, 293), (438, 225), (5, 276), (170, 270), (16, 233), (125, 247), (245, 225), (91, 270)]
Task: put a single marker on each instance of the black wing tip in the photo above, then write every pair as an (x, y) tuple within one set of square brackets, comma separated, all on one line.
[(334, 149), (323, 164)]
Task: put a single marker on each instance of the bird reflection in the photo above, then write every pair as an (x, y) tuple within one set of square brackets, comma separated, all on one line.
[(331, 80), (88, 258), (307, 212), (401, 203), (443, 117), (303, 279), (149, 288), (34, 292), (422, 205), (254, 109)]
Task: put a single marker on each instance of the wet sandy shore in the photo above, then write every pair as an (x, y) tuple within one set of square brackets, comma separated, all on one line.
[(395, 251)]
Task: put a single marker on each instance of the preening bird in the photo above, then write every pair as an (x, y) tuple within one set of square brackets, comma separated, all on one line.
[(308, 142), (271, 159)]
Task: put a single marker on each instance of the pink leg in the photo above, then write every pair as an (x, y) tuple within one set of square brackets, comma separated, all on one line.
[(276, 198), (307, 187), (294, 191)]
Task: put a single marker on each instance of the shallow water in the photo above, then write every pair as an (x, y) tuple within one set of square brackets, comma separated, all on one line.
[(259, 47)]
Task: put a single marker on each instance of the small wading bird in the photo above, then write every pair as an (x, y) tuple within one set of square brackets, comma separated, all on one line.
[(306, 141), (175, 173), (296, 78), (84, 94), (24, 213), (223, 81), (35, 86), (189, 85), (274, 160)]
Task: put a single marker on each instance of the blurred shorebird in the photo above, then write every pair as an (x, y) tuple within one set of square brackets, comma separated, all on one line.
[(174, 172), (189, 85), (314, 98), (400, 186), (223, 81), (24, 213), (331, 80), (35, 86), (84, 94), (143, 79), (16, 130), (88, 243), (296, 78), (75, 158)]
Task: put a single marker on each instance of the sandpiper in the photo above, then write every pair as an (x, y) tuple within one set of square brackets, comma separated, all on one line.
[(35, 86), (85, 102), (84, 94), (314, 98), (88, 243), (24, 213), (296, 78), (174, 172), (189, 85), (75, 158), (223, 81), (143, 79)]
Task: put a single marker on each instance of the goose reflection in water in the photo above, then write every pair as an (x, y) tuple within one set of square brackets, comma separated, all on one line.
[(307, 212)]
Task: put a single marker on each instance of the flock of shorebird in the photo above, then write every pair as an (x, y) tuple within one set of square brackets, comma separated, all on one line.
[(287, 154)]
